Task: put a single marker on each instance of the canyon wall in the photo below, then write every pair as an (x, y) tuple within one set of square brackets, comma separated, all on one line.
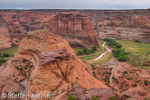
[(77, 29), (125, 25), (4, 34)]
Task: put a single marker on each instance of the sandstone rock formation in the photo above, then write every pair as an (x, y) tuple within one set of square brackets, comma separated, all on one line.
[(75, 28), (10, 31), (124, 25), (43, 62)]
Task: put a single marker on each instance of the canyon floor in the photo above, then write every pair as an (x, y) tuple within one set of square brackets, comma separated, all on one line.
[(137, 53)]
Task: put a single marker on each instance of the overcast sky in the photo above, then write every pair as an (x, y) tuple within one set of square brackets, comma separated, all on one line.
[(74, 4)]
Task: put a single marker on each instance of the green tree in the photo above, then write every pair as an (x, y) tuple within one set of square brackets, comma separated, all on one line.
[(94, 48), (80, 52), (6, 55)]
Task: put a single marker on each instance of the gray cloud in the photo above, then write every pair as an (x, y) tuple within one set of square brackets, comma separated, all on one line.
[(74, 4)]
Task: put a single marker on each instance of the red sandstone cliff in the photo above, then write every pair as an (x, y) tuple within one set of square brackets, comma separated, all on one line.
[(10, 31), (75, 28), (43, 62)]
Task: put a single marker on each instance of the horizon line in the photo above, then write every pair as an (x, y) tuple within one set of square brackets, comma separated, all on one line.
[(72, 9)]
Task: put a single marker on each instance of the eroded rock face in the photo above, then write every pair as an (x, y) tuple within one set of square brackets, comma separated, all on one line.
[(124, 25), (11, 32), (75, 28), (43, 62)]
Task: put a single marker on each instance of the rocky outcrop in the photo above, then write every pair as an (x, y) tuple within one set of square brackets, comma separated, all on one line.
[(75, 28), (44, 62), (84, 94), (10, 31)]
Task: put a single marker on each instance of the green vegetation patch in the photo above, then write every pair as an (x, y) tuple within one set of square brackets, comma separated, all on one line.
[(9, 52), (131, 46), (72, 97), (137, 52), (117, 51), (92, 55), (3, 61)]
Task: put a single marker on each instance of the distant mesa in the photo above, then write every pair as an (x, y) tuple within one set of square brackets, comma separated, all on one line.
[(77, 29)]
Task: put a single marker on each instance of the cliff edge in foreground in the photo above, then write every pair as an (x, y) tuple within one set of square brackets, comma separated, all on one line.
[(43, 62)]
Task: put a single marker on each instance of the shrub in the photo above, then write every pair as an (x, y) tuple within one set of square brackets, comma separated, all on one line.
[(6, 55), (146, 82), (29, 37), (72, 97), (117, 82), (95, 27), (20, 69), (52, 90), (134, 85), (63, 74), (117, 45), (24, 60), (125, 72), (25, 33), (120, 53), (122, 58), (80, 52), (91, 51), (3, 61), (94, 48), (86, 51), (94, 75), (94, 98), (111, 98), (92, 66), (129, 78), (141, 67), (137, 41)]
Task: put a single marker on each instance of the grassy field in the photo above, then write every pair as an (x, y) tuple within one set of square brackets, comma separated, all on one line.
[(131, 46), (93, 55), (11, 51), (104, 59), (138, 53)]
